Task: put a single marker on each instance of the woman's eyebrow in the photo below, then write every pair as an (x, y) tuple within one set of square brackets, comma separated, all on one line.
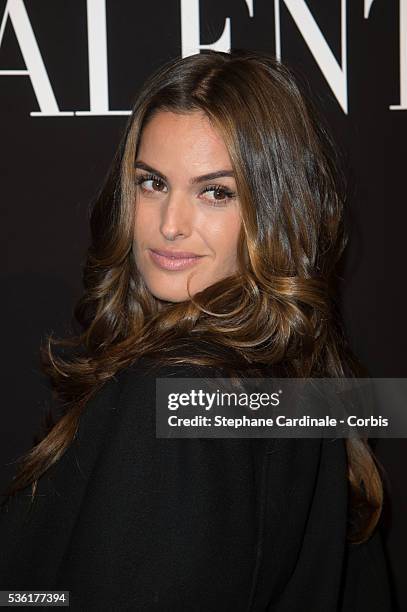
[(197, 179)]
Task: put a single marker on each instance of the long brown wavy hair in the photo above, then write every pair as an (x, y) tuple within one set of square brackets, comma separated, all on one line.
[(279, 309)]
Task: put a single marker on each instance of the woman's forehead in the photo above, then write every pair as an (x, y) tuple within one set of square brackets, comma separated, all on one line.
[(188, 142)]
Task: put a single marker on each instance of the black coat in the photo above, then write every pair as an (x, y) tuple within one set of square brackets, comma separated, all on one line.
[(128, 521)]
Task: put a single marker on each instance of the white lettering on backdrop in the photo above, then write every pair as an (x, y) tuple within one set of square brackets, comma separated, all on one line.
[(335, 75), (334, 72)]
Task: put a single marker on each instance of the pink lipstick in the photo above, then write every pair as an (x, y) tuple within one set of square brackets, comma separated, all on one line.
[(174, 260)]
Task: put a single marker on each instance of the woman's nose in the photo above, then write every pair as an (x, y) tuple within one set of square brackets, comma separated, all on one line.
[(177, 215)]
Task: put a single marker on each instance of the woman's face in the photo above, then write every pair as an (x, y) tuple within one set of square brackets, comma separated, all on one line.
[(180, 210)]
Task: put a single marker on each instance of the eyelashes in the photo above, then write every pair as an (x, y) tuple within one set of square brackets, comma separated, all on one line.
[(222, 189), (142, 178), (230, 195)]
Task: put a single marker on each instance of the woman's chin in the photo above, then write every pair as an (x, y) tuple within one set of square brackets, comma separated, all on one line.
[(170, 296)]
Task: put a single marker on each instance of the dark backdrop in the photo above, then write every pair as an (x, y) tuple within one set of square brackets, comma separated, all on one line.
[(69, 72)]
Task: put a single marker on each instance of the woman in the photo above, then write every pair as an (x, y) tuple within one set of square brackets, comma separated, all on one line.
[(214, 244)]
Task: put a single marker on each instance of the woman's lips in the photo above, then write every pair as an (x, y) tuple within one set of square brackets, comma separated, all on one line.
[(173, 263)]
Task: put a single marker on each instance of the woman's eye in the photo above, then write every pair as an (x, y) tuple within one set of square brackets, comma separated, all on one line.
[(150, 183), (221, 195)]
